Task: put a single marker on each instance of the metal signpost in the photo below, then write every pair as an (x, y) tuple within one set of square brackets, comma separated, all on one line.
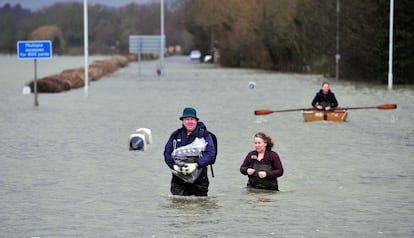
[(34, 50)]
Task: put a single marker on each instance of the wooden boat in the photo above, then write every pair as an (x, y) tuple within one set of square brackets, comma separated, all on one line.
[(338, 115)]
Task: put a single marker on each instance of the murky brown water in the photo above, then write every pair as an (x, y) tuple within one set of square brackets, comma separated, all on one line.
[(66, 171)]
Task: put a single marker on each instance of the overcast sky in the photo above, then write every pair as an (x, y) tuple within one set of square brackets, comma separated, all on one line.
[(38, 4)]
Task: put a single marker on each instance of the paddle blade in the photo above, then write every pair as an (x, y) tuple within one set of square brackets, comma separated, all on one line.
[(262, 112), (387, 106)]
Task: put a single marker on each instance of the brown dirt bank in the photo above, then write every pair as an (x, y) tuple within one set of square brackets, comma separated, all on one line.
[(75, 78)]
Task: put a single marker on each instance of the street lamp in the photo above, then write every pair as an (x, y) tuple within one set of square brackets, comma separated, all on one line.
[(162, 37), (337, 56), (85, 47), (390, 46)]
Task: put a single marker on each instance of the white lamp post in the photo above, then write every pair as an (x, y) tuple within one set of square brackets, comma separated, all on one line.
[(162, 37), (390, 78), (85, 39), (337, 56)]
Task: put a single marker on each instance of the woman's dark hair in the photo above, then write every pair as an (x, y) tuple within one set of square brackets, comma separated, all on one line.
[(267, 139), (326, 82)]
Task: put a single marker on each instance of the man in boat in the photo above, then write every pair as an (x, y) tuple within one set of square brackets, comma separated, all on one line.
[(187, 153), (325, 99)]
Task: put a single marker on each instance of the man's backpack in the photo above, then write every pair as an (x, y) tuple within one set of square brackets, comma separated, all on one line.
[(205, 134), (214, 137)]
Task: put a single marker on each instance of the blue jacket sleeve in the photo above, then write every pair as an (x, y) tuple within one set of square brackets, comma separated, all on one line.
[(208, 156), (167, 152)]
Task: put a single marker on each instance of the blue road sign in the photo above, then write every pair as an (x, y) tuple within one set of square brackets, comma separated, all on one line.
[(34, 49)]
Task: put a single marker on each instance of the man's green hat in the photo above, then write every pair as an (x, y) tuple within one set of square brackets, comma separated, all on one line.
[(189, 112)]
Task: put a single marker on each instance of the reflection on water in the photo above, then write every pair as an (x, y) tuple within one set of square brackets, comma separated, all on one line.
[(191, 216), (66, 170), (193, 205)]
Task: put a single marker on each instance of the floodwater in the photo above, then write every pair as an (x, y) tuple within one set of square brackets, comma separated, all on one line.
[(66, 170)]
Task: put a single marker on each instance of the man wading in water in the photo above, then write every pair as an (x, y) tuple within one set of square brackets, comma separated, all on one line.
[(187, 153)]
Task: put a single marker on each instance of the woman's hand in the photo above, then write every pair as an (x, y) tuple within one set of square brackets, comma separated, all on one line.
[(250, 171), (262, 174)]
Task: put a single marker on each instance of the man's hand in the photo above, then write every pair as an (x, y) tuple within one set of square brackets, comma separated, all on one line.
[(177, 168), (186, 168), (189, 168)]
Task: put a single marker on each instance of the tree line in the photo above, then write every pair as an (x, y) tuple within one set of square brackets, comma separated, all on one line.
[(285, 35), (300, 35), (108, 27)]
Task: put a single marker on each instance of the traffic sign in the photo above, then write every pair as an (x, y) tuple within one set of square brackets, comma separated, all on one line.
[(34, 49), (143, 44)]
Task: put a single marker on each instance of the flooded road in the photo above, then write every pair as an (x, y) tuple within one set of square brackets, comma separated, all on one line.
[(66, 170)]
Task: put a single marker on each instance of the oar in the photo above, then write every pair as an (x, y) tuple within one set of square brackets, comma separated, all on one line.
[(267, 111), (381, 107)]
